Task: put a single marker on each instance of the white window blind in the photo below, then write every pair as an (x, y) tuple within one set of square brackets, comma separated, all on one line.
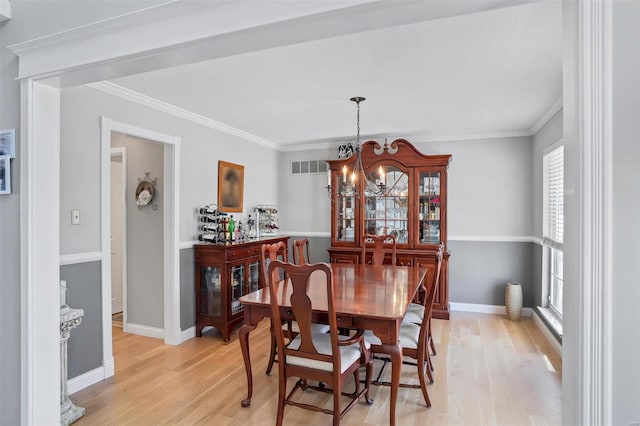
[(553, 198)]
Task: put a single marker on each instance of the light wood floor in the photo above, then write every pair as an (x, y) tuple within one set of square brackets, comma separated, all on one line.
[(489, 371)]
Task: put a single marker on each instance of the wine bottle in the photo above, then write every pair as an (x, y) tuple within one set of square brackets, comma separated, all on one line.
[(232, 228), (208, 210)]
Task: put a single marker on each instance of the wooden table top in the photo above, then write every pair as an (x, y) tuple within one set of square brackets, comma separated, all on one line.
[(382, 291)]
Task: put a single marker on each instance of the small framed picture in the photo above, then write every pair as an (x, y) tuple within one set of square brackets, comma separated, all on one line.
[(8, 142), (230, 186), (5, 174)]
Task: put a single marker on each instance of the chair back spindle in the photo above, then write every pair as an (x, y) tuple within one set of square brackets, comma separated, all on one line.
[(301, 252), (377, 256)]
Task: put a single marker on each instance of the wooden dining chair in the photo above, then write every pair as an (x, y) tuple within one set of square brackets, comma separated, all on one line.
[(301, 252), (271, 252), (414, 343), (326, 357), (377, 257), (415, 312)]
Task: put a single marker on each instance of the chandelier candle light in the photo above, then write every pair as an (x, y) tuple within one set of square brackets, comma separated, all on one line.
[(358, 172)]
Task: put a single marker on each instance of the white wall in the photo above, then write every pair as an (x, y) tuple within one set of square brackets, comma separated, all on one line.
[(303, 202), (201, 149), (489, 186), (626, 213), (489, 194)]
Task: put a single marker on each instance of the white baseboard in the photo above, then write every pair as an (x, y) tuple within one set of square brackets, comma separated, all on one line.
[(143, 330), (485, 309), (85, 380), (109, 367), (187, 334), (547, 334)]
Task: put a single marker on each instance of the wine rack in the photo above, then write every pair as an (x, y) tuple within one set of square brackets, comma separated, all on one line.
[(211, 224), (266, 220)]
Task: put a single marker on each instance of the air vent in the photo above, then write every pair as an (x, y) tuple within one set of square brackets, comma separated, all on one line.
[(306, 167)]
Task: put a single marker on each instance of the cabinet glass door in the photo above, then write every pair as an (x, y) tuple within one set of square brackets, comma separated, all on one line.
[(345, 210), (254, 276), (210, 293), (389, 213), (429, 208), (237, 288)]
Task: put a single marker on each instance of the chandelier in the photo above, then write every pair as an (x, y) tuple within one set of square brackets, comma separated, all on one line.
[(350, 180)]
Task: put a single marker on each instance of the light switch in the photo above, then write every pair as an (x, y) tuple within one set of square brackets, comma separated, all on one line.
[(75, 217)]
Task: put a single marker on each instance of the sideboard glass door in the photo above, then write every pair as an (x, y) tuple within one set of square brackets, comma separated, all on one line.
[(254, 276), (237, 288), (210, 292)]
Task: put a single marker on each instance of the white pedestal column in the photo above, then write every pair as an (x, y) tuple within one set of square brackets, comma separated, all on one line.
[(69, 319)]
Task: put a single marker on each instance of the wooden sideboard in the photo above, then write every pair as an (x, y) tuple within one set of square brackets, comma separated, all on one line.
[(223, 273)]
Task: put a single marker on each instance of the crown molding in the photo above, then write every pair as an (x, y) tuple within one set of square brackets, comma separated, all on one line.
[(553, 109), (5, 10), (414, 138), (148, 101)]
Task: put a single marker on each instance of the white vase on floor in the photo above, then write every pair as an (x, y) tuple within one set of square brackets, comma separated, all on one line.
[(513, 301)]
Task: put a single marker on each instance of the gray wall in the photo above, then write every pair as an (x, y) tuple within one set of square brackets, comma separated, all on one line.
[(479, 271), (187, 289), (29, 20), (626, 211), (145, 232), (85, 343), (318, 247)]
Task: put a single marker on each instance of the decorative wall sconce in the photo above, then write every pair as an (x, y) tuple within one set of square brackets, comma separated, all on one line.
[(145, 191)]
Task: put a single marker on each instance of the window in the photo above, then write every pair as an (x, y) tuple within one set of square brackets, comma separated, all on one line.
[(553, 224)]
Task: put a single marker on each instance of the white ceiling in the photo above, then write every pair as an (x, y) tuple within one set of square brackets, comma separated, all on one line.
[(492, 73)]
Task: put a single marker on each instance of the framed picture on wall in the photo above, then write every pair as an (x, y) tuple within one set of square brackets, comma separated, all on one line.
[(5, 174), (230, 187), (8, 142)]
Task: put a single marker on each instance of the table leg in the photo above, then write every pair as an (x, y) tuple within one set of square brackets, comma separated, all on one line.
[(395, 351), (243, 336)]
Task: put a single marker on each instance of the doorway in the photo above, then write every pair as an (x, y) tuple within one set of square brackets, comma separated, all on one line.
[(118, 236), (170, 323)]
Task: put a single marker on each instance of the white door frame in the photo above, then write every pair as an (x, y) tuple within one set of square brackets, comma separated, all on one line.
[(171, 199), (122, 153)]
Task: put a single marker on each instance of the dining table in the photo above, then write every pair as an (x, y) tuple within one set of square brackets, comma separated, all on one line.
[(366, 297)]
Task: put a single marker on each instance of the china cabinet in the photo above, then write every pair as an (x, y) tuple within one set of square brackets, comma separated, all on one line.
[(224, 272), (405, 194)]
